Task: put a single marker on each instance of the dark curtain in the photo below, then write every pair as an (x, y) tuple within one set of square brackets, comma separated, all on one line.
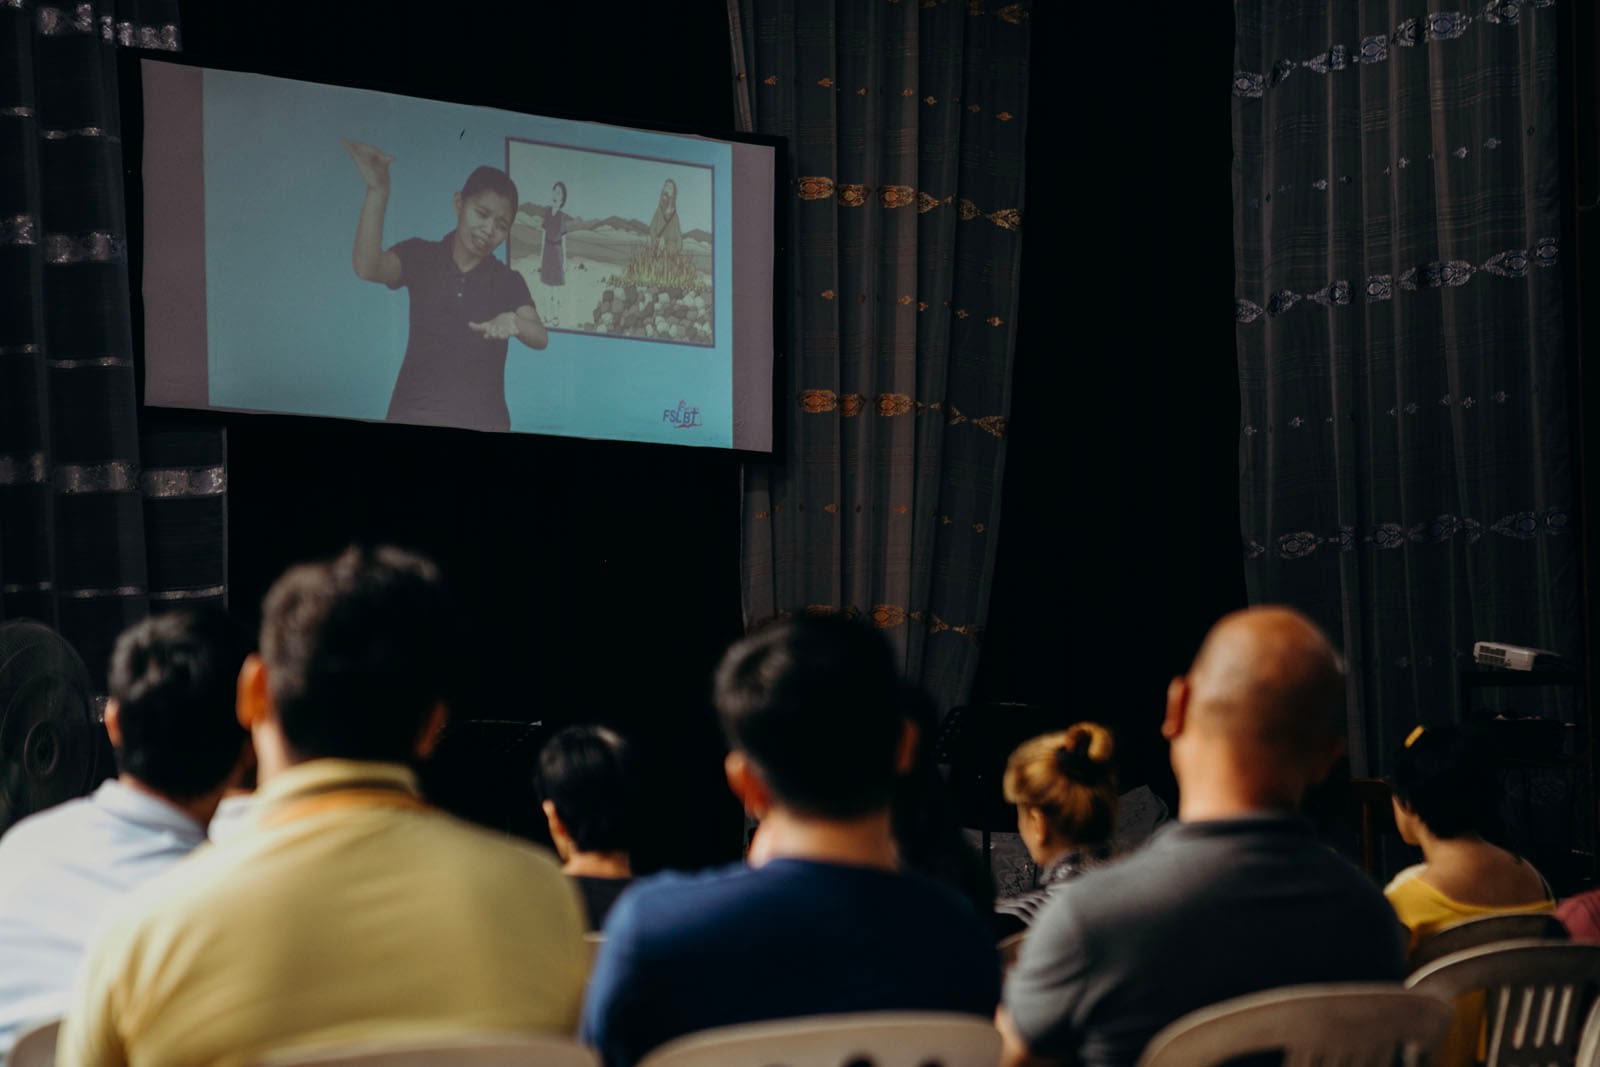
[(905, 124), (103, 514), (1406, 440)]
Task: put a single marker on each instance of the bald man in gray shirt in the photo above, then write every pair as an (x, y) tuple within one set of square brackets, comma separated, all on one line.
[(1239, 896)]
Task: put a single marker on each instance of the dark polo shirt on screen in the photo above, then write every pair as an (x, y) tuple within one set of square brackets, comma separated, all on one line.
[(453, 376)]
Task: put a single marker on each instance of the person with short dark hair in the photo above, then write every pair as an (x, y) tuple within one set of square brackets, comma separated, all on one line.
[(1238, 896), (347, 908), (823, 920), (179, 746), (465, 303), (1446, 802), (588, 791)]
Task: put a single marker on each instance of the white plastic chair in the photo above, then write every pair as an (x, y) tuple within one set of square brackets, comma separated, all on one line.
[(1536, 996), (1486, 930), (1355, 1024), (1589, 1040), (470, 1050), (36, 1046), (883, 1039)]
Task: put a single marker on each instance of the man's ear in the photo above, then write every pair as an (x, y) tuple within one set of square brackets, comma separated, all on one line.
[(252, 702), (1034, 819), (552, 818), (114, 723), (905, 756), (746, 783), (1177, 714), (432, 729), (456, 200)]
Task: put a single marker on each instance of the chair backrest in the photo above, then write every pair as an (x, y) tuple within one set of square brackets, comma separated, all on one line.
[(878, 1039), (1374, 817), (1354, 1024), (36, 1046), (1486, 930), (1589, 1040), (470, 1050), (1536, 995)]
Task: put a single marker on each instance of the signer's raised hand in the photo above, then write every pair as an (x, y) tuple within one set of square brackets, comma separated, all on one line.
[(372, 162)]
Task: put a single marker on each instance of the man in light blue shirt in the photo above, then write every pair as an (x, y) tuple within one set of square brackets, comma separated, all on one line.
[(179, 746)]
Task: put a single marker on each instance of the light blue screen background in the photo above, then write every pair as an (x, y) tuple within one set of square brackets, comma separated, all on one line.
[(290, 327)]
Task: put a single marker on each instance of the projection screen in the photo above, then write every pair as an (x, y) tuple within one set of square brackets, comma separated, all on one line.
[(325, 251)]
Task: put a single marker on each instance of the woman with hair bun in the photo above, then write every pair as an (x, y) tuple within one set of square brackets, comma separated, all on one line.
[(1446, 800), (1065, 788)]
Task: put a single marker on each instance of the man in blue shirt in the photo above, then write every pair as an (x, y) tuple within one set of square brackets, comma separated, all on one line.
[(822, 921), (179, 745)]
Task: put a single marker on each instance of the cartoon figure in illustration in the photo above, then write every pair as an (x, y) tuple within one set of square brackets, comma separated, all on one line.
[(553, 262), (465, 303), (666, 235)]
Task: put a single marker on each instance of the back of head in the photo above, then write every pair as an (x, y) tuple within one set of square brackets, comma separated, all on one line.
[(1267, 681), (814, 703), (174, 677), (1446, 775), (586, 772), (1070, 778), (359, 650)]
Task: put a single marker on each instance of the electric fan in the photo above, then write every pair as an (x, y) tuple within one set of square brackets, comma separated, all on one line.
[(50, 737)]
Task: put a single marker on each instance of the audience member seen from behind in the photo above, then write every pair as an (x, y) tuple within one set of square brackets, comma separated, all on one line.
[(1580, 914), (1065, 788), (346, 908), (1236, 897), (1446, 799), (179, 746), (588, 789), (823, 921)]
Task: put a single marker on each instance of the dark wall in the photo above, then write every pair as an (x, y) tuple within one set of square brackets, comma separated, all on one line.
[(604, 578), (1119, 541)]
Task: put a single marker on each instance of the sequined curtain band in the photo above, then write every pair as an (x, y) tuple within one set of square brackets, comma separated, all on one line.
[(177, 482), (210, 592), (1375, 48), (22, 470), (113, 477), (97, 246)]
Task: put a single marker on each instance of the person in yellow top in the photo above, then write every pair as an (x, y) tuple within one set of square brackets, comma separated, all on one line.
[(1446, 796), (345, 909)]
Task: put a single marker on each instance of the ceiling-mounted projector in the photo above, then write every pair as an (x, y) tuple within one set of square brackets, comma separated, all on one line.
[(1513, 657)]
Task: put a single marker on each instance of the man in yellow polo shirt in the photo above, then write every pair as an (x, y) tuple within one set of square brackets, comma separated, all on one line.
[(346, 909)]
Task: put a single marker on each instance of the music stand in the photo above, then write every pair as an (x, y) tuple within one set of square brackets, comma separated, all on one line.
[(974, 742)]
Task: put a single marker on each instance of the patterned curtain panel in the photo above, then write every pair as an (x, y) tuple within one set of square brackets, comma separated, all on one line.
[(905, 124), (98, 520), (1406, 449)]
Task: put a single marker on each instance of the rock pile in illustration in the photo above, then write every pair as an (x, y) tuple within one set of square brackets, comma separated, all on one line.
[(671, 314)]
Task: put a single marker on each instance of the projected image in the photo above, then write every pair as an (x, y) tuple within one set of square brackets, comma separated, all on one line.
[(619, 245), (327, 251)]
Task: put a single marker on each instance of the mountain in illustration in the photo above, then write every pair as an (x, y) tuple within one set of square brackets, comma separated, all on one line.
[(617, 222)]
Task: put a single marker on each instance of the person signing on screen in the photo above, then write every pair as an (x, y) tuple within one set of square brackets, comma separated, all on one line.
[(465, 303)]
